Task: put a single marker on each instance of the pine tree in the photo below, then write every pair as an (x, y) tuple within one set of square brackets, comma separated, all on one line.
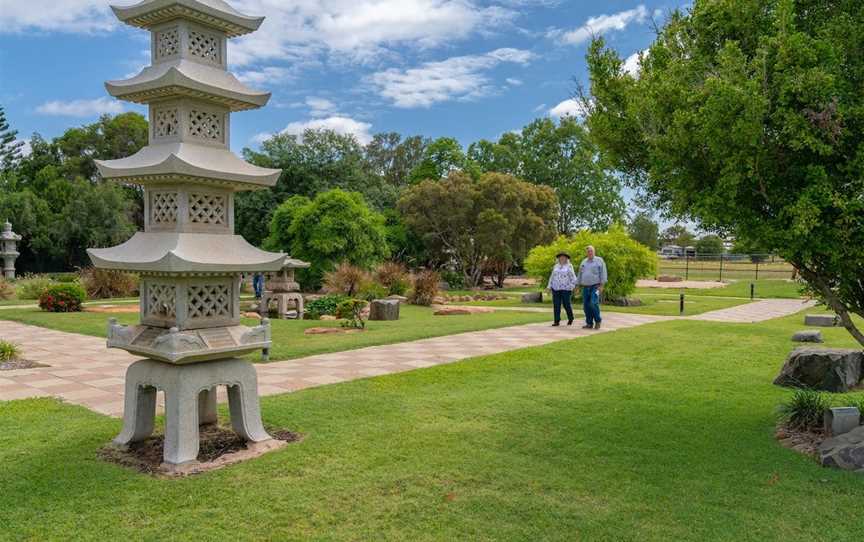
[(10, 147)]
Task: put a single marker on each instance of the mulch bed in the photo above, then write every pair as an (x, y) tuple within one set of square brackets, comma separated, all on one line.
[(803, 442), (216, 442), (17, 364)]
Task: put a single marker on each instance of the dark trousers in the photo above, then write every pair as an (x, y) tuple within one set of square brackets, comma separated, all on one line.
[(559, 298), (258, 285), (591, 305)]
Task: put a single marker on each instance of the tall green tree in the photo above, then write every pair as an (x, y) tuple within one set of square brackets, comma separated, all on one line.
[(748, 117), (493, 221), (645, 230), (440, 158), (710, 245), (10, 147), (393, 158), (678, 235)]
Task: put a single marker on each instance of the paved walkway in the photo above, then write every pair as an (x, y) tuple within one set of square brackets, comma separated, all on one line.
[(84, 372)]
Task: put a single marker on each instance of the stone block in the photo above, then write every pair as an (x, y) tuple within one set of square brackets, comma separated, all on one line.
[(820, 320), (845, 451), (841, 420), (808, 336), (824, 369), (533, 297), (384, 310)]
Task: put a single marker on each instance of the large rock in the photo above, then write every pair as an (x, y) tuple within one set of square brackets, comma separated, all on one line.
[(845, 451), (834, 370), (533, 297), (384, 310), (808, 336), (457, 311), (820, 320)]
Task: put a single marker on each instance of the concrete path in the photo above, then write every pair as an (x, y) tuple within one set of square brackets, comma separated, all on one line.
[(84, 372)]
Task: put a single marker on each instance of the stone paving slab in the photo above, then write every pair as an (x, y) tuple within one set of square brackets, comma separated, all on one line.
[(84, 372)]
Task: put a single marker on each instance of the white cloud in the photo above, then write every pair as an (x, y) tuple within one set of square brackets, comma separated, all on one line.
[(26, 148), (265, 76), (78, 16), (568, 108), (631, 64), (456, 78), (358, 29), (601, 24), (81, 108), (513, 82), (339, 124), (320, 107)]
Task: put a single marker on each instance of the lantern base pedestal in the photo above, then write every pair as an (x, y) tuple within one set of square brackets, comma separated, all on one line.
[(190, 401)]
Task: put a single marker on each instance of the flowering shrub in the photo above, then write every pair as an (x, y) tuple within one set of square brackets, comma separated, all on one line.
[(62, 298)]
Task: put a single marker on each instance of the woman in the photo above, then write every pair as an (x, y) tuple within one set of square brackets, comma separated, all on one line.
[(562, 281)]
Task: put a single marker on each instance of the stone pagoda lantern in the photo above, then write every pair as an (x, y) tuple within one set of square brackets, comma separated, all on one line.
[(188, 257), (9, 250), (284, 289)]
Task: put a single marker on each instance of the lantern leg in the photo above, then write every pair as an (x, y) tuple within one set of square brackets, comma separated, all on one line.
[(245, 406), (207, 414)]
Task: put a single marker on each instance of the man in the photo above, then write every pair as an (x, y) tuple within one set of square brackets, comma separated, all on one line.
[(592, 277)]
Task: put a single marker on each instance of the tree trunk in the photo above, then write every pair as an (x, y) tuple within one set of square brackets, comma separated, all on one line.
[(833, 302)]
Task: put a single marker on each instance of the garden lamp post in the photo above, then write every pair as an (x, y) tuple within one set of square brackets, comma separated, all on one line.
[(9, 250), (189, 259)]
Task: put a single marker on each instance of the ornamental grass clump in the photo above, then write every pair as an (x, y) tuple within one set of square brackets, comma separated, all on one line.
[(32, 286), (394, 277), (346, 279), (8, 351), (805, 411), (425, 288), (107, 284), (7, 291), (62, 298)]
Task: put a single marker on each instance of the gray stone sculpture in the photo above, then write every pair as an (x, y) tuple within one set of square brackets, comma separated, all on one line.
[(384, 310), (188, 257), (285, 290), (9, 250)]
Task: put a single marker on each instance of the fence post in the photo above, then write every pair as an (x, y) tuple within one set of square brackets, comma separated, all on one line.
[(682, 304), (752, 291), (686, 267), (721, 267), (757, 269)]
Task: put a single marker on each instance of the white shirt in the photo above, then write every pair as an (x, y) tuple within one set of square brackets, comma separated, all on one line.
[(563, 277)]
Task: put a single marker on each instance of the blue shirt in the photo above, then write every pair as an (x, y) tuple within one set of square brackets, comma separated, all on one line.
[(592, 272)]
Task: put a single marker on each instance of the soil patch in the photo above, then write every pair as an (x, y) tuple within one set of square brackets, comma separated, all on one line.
[(219, 447), (803, 442), (332, 330), (113, 309), (17, 364)]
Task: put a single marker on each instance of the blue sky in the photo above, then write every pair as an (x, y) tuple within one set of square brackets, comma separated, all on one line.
[(469, 69)]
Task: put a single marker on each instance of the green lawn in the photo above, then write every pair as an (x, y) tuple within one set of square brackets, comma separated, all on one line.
[(288, 335), (658, 433), (764, 289)]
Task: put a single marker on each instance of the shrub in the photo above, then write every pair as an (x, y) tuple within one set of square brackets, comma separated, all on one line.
[(317, 308), (8, 351), (454, 280), (346, 279), (32, 286), (7, 291), (373, 291), (425, 288), (626, 260), (351, 310), (105, 284), (62, 298), (394, 277), (805, 410)]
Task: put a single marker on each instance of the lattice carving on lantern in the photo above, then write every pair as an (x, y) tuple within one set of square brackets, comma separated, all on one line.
[(205, 45), (209, 301), (167, 42), (161, 300), (206, 125), (166, 122), (163, 208), (207, 209)]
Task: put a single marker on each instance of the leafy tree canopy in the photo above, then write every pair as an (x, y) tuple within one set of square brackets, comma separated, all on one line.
[(495, 219), (440, 158), (645, 230), (748, 117), (710, 245)]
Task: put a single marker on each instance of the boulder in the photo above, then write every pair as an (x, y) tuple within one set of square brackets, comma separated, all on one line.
[(328, 317), (845, 451), (399, 298), (533, 297), (820, 320), (384, 310), (808, 336), (824, 369), (252, 315), (457, 311)]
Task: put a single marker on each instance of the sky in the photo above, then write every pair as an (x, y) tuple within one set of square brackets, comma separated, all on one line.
[(468, 69)]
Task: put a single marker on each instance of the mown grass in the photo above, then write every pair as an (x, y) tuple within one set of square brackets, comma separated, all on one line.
[(288, 335), (657, 303), (658, 433)]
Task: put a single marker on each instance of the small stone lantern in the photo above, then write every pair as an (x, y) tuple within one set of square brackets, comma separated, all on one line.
[(283, 288), (189, 259), (9, 250)]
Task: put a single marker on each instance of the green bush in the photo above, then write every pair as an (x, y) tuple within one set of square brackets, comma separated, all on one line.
[(626, 260), (805, 410), (62, 298), (8, 351), (351, 310), (32, 286), (325, 305), (454, 280), (373, 291)]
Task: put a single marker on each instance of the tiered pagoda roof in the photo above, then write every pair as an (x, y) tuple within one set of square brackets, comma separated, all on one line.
[(214, 13)]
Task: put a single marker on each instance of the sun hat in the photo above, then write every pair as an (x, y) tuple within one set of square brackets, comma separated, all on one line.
[(563, 254)]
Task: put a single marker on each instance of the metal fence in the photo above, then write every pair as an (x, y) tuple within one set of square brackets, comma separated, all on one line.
[(722, 267)]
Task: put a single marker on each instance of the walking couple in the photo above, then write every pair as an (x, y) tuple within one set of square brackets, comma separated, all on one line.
[(592, 277)]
